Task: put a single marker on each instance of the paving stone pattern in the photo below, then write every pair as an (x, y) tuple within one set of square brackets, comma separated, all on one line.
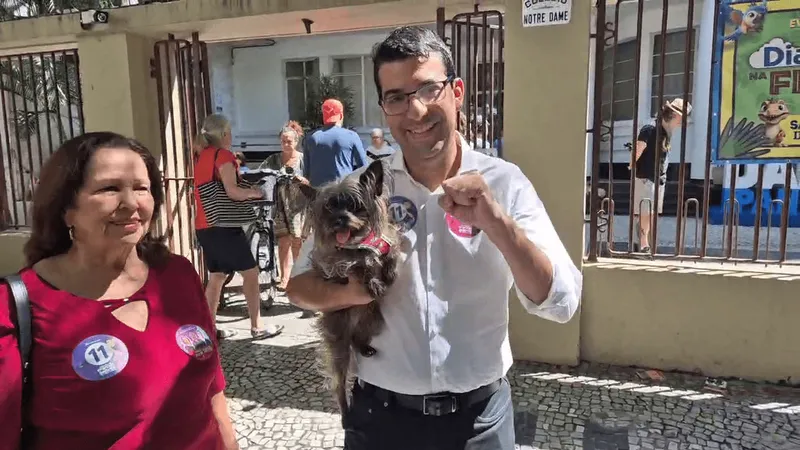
[(278, 402)]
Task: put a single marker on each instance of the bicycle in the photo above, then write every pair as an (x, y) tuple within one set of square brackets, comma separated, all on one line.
[(261, 233)]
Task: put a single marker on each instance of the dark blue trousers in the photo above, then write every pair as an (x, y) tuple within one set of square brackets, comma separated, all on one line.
[(371, 424)]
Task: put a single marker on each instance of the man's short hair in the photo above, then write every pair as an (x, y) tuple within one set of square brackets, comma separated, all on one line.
[(410, 42), (376, 132)]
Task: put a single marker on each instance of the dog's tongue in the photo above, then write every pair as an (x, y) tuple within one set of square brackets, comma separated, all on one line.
[(342, 237)]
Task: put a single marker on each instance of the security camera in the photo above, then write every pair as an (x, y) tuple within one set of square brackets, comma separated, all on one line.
[(93, 16)]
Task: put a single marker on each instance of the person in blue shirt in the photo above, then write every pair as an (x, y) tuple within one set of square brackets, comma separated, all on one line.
[(332, 152)]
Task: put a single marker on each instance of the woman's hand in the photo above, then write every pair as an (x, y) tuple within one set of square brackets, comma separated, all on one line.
[(256, 194), (301, 180)]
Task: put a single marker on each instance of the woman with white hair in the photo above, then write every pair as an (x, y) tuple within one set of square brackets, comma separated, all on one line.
[(378, 147), (218, 229)]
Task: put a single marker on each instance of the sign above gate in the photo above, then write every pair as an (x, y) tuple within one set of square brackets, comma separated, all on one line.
[(538, 13)]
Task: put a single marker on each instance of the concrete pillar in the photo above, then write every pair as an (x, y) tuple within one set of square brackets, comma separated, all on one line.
[(546, 79), (118, 93)]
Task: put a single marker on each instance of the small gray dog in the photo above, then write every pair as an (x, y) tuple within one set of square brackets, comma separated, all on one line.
[(352, 237)]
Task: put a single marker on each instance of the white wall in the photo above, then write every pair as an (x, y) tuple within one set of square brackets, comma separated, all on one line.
[(248, 83)]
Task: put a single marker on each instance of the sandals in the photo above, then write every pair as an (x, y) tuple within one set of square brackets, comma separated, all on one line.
[(266, 333)]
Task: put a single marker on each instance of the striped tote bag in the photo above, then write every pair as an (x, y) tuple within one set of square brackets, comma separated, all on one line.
[(221, 210)]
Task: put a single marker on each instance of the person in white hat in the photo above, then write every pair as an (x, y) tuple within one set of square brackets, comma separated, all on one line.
[(647, 174)]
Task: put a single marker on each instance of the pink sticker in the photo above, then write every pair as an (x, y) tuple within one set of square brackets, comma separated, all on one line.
[(460, 229)]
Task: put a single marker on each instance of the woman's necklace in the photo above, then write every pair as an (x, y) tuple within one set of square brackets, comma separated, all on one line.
[(290, 160)]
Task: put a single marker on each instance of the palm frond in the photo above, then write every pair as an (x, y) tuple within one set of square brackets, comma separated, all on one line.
[(39, 86)]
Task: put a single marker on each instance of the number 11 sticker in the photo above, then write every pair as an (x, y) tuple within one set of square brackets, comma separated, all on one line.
[(99, 357)]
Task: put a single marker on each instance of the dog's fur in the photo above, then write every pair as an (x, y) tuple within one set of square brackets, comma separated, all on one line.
[(358, 204)]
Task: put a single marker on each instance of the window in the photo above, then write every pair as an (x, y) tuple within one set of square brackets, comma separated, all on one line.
[(674, 67), (299, 76), (622, 72), (356, 73)]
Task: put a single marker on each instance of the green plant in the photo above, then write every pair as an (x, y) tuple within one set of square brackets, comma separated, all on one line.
[(15, 9), (321, 89)]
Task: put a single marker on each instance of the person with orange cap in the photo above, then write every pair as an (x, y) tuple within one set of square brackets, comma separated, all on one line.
[(332, 152)]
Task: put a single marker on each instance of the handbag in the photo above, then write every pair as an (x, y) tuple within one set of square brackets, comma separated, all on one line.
[(25, 339), (221, 210)]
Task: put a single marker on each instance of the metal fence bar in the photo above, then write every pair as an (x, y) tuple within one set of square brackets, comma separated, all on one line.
[(759, 207), (729, 235), (35, 90), (12, 217), (60, 125), (687, 70), (787, 198), (659, 130), (599, 48), (46, 85), (709, 133)]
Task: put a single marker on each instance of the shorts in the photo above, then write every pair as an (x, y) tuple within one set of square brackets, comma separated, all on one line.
[(225, 250), (643, 195)]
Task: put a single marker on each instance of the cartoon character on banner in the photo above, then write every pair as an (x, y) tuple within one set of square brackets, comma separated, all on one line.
[(749, 21)]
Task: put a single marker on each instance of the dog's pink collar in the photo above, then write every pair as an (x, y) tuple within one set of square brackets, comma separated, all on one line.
[(371, 242)]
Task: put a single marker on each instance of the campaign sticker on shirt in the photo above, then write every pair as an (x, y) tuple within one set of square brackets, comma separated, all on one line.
[(99, 357), (194, 341), (403, 213), (460, 229)]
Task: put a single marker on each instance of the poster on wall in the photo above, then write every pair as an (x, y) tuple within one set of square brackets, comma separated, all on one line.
[(756, 106), (538, 13)]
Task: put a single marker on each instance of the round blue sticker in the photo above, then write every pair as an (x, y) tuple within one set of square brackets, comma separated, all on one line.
[(99, 357), (403, 213), (194, 341)]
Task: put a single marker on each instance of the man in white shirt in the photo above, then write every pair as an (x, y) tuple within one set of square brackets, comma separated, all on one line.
[(472, 226)]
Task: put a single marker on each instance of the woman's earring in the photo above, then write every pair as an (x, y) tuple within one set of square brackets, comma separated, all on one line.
[(71, 231)]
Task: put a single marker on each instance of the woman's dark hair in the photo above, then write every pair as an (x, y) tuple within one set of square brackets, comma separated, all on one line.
[(63, 175), (410, 42)]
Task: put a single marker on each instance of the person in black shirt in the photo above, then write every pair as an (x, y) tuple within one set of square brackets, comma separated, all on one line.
[(647, 174)]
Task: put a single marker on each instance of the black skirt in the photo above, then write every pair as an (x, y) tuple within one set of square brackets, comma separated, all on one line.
[(225, 250)]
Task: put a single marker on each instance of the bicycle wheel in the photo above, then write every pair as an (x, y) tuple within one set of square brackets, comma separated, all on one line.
[(263, 251)]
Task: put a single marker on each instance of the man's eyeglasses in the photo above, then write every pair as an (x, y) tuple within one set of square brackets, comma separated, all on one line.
[(396, 103)]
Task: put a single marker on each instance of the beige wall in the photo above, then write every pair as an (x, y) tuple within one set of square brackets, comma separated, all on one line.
[(11, 258), (732, 323), (118, 93), (549, 149)]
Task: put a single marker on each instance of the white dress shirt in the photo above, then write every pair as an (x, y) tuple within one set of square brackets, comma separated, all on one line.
[(447, 312)]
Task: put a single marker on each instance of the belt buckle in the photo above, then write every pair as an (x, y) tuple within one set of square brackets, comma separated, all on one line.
[(432, 405)]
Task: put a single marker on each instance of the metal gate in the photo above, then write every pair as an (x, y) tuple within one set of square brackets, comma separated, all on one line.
[(40, 107), (180, 68), (476, 40)]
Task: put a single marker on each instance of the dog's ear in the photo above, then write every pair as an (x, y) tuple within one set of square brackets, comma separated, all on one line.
[(308, 191), (372, 178)]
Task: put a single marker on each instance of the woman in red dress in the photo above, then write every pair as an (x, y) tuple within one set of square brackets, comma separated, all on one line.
[(124, 355)]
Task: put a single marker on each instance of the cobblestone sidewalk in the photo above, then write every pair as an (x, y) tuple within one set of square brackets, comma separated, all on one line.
[(278, 402)]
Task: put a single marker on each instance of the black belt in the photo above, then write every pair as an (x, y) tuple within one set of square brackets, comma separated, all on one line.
[(432, 404)]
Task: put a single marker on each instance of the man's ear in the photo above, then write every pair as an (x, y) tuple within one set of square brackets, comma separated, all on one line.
[(373, 177), (308, 191), (458, 92)]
